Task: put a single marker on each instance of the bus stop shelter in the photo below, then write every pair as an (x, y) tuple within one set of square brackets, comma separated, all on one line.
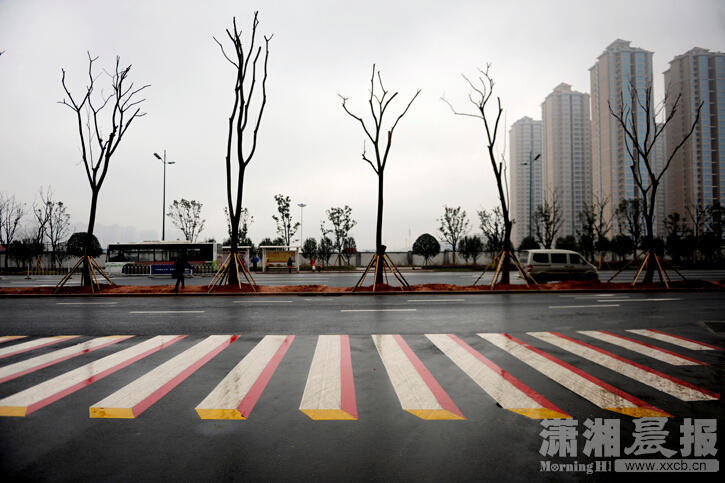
[(276, 257)]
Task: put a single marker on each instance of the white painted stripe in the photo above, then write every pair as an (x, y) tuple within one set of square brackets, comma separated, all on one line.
[(582, 306), (7, 338), (640, 300), (378, 310), (167, 312), (640, 348), (134, 398), (23, 367), (627, 368), (231, 391), (687, 344), (435, 300), (86, 303), (53, 389), (589, 387), (491, 380), (263, 301), (329, 377), (33, 344)]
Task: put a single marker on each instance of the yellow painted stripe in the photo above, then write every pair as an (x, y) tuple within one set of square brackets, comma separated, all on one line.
[(7, 338), (434, 414), (328, 415)]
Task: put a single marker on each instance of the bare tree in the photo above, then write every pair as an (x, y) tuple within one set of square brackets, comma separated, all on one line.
[(640, 147), (602, 229), (186, 216), (11, 212), (547, 221), (243, 124), (381, 140), (286, 229), (454, 226), (342, 222), (480, 95), (629, 217), (124, 109), (245, 219), (492, 227)]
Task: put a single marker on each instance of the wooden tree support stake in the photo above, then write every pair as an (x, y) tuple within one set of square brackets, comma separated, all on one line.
[(384, 263), (222, 275), (95, 285), (498, 263)]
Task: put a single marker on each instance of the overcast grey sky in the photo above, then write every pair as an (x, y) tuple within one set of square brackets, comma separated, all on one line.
[(309, 148)]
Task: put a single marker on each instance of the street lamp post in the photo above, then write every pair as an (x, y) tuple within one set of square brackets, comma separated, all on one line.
[(530, 163), (163, 202), (302, 240)]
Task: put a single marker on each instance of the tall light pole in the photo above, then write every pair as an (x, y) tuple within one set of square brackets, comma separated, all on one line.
[(530, 163), (302, 240), (163, 202)]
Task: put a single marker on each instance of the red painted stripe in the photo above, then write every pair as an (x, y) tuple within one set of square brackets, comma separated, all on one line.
[(654, 347), (686, 339), (348, 403), (545, 403), (37, 346), (640, 366), (60, 395), (166, 388), (247, 404), (441, 396), (586, 376), (61, 359)]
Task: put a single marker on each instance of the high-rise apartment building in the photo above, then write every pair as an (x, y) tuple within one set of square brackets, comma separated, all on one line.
[(696, 176), (526, 180), (567, 153), (618, 70)]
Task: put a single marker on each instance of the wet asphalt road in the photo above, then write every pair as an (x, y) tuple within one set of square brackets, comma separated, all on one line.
[(278, 442)]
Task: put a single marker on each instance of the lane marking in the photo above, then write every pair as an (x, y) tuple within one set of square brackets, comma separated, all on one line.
[(21, 368), (418, 391), (505, 389), (646, 375), (579, 382), (639, 300), (435, 300), (675, 339), (135, 398), (582, 306), (30, 400), (263, 301), (330, 389), (7, 338), (33, 344), (378, 310), (235, 396), (86, 303), (645, 349), (167, 312)]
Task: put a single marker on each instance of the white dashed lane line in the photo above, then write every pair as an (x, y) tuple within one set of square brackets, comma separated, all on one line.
[(86, 303), (378, 310), (582, 306), (166, 312), (413, 301)]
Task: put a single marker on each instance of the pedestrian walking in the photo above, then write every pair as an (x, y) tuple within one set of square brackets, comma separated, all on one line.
[(179, 266), (289, 265)]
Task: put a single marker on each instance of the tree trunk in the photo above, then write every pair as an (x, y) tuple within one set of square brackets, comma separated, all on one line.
[(651, 263), (86, 279), (505, 279), (379, 247)]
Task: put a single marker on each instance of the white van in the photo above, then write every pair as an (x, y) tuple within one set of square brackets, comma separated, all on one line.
[(546, 264)]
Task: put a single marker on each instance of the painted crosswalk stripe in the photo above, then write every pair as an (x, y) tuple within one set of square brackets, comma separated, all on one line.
[(330, 389), (7, 338), (646, 375), (641, 348), (30, 400), (505, 389), (587, 386), (135, 398), (27, 366), (238, 392), (675, 339), (418, 391), (33, 344)]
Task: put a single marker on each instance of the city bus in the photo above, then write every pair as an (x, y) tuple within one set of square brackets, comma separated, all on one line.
[(157, 257)]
